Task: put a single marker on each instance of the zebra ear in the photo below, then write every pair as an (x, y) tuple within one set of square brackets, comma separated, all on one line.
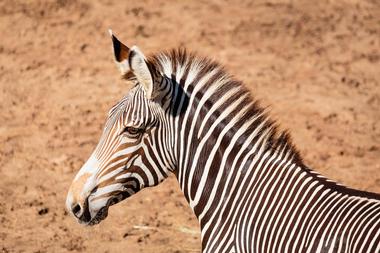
[(133, 61), (121, 54), (141, 70)]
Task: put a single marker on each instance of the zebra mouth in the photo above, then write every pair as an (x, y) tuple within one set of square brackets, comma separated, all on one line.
[(103, 212), (101, 215)]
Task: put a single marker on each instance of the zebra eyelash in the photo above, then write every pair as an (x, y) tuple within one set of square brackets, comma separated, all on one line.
[(132, 132)]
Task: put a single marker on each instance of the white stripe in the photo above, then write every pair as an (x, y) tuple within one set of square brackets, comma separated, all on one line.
[(194, 202)]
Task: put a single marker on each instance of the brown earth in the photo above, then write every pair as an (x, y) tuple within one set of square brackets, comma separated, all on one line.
[(317, 63)]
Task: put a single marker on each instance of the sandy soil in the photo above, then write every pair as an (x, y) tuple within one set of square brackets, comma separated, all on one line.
[(316, 63)]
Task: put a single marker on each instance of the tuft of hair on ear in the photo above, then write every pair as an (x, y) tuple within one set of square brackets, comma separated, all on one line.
[(129, 76)]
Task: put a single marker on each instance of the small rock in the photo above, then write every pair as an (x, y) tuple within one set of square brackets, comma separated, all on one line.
[(43, 211)]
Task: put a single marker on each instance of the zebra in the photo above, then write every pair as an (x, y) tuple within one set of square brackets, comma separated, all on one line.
[(243, 178)]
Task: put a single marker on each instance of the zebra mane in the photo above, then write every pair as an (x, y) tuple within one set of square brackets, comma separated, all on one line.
[(177, 63), (180, 61)]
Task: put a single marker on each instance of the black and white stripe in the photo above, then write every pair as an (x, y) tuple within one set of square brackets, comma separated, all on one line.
[(245, 181)]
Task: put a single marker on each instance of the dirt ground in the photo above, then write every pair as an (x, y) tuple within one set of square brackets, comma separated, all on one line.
[(316, 64)]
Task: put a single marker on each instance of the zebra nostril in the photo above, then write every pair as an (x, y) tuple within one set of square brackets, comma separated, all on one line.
[(77, 210)]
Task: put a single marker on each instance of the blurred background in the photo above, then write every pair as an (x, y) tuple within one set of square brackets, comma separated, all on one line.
[(316, 64)]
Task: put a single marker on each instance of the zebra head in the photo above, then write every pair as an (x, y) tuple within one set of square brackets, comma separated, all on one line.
[(126, 158)]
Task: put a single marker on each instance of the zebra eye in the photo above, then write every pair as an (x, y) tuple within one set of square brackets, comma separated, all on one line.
[(132, 132)]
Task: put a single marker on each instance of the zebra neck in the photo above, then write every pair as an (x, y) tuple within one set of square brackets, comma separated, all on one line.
[(216, 163), (238, 173)]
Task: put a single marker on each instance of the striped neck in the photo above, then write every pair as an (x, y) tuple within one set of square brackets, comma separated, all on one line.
[(230, 155), (217, 123)]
